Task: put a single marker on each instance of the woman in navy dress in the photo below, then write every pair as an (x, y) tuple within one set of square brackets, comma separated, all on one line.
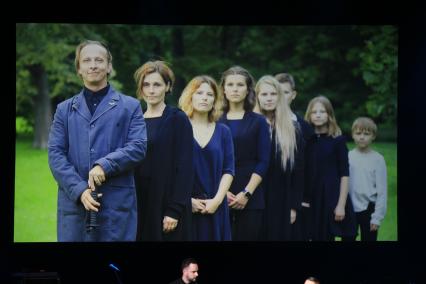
[(284, 180), (333, 213), (213, 160), (165, 177), (250, 134), (302, 227)]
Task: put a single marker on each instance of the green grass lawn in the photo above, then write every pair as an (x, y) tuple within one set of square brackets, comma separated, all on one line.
[(36, 194)]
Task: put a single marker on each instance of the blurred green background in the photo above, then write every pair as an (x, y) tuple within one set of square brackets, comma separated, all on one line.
[(354, 66)]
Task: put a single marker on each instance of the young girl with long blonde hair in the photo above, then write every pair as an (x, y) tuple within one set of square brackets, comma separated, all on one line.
[(284, 180)]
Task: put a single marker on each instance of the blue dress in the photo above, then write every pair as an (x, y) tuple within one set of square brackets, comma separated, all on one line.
[(211, 163), (331, 164), (252, 148)]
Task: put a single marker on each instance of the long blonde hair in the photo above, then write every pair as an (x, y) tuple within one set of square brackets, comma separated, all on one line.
[(333, 128), (285, 130)]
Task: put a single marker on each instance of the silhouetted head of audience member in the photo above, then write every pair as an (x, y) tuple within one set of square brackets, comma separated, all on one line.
[(312, 280), (189, 270)]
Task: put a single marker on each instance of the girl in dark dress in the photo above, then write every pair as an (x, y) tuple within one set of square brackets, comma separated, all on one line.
[(250, 133), (333, 214), (302, 228), (284, 180), (164, 179), (213, 160)]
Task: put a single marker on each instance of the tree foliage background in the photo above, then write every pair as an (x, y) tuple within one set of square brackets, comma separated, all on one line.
[(354, 66)]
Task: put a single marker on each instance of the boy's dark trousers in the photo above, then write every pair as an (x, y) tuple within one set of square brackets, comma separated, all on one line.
[(363, 219)]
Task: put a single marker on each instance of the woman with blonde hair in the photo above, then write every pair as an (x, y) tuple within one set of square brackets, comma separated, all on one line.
[(284, 180), (302, 226), (213, 160), (164, 178)]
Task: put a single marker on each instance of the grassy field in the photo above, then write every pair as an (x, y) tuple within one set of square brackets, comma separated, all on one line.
[(36, 194)]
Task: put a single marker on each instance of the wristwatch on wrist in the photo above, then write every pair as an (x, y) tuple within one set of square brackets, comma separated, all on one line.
[(247, 193)]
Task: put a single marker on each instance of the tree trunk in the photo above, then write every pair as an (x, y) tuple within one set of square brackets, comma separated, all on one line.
[(42, 107), (178, 52)]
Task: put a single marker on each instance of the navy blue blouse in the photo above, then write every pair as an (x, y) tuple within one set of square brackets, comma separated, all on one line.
[(211, 162), (252, 145), (152, 127)]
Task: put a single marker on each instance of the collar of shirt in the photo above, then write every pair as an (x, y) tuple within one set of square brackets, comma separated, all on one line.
[(97, 96)]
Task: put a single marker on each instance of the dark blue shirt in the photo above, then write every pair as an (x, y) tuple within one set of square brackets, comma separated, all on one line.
[(152, 128), (211, 162), (252, 146), (93, 99), (258, 137)]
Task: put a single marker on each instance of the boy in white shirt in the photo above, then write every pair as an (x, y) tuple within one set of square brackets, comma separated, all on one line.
[(367, 179)]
